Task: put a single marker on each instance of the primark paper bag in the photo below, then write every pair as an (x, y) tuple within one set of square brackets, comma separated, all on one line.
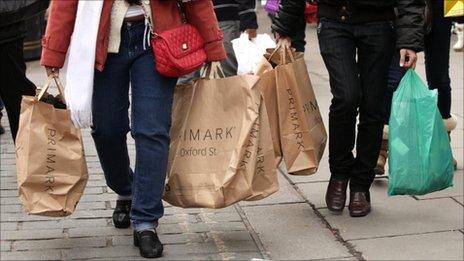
[(51, 167)]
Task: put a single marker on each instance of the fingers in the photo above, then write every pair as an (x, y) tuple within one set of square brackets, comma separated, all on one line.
[(402, 57), (51, 70), (408, 58), (284, 41)]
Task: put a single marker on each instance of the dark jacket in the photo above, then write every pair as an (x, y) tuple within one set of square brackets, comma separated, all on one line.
[(409, 16), (13, 13), (237, 10)]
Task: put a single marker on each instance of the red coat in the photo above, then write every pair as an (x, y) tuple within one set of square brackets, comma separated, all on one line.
[(55, 43)]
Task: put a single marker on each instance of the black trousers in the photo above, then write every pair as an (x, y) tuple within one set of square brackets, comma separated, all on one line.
[(357, 57), (13, 81), (437, 55)]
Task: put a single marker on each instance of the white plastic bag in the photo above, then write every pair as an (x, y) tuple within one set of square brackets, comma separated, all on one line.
[(249, 52)]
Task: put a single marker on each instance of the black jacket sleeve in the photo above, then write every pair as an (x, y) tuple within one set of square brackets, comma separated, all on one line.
[(247, 14), (410, 24), (15, 11), (289, 14)]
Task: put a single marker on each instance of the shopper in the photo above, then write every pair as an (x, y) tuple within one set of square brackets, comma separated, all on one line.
[(357, 40), (124, 58), (437, 56), (12, 66)]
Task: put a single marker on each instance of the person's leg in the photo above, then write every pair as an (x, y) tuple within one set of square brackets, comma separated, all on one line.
[(338, 50), (110, 128), (14, 81), (437, 47), (152, 96), (337, 45), (395, 74), (376, 44), (231, 30)]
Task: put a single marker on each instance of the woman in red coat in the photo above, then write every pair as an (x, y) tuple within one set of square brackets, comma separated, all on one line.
[(123, 59)]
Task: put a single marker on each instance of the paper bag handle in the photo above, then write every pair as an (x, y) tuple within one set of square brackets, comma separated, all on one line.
[(46, 86), (213, 70), (283, 54)]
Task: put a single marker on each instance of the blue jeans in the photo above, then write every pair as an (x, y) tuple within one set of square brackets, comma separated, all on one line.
[(357, 57), (152, 96)]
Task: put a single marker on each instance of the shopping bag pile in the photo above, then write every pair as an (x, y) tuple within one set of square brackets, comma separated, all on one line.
[(299, 133), (420, 158), (51, 167), (221, 148)]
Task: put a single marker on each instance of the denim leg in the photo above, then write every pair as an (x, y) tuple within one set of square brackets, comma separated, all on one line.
[(395, 74), (111, 122), (338, 50), (437, 45), (376, 43), (152, 96)]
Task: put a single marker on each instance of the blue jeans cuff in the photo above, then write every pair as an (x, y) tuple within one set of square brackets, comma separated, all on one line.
[(141, 226)]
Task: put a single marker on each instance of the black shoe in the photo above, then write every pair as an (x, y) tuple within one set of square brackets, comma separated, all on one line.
[(121, 214), (148, 243)]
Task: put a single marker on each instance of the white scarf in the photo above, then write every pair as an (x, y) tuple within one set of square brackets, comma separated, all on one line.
[(81, 62)]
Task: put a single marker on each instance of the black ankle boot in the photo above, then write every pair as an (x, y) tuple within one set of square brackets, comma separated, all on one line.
[(148, 243), (121, 214)]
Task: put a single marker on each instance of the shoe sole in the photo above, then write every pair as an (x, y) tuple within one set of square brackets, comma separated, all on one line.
[(359, 215), (335, 211)]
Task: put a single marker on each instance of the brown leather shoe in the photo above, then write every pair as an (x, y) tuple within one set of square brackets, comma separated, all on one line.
[(382, 160), (359, 204), (335, 198)]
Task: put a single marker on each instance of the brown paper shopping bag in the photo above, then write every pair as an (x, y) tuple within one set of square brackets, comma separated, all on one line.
[(214, 142), (51, 167), (302, 133), (268, 89), (264, 182)]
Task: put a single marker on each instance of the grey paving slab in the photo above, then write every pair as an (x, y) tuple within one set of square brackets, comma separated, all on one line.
[(286, 194), (62, 243), (434, 246), (459, 199), (315, 192), (398, 215), (293, 232), (32, 255)]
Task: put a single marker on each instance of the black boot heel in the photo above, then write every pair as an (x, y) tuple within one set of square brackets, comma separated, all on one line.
[(148, 243), (121, 214)]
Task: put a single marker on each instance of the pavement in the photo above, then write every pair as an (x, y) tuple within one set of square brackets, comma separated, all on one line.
[(292, 224)]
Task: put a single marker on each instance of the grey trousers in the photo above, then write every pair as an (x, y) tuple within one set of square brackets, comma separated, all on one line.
[(231, 31)]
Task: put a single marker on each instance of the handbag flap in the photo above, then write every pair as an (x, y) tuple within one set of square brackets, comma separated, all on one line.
[(182, 40)]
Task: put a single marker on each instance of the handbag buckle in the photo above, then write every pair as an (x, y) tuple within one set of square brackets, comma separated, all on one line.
[(184, 46)]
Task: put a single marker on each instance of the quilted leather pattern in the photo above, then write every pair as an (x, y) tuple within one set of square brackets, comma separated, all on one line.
[(179, 51)]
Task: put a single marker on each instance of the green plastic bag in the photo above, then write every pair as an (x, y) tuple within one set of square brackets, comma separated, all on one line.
[(420, 159)]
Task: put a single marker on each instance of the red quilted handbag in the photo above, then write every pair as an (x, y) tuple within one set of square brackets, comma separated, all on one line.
[(180, 50)]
